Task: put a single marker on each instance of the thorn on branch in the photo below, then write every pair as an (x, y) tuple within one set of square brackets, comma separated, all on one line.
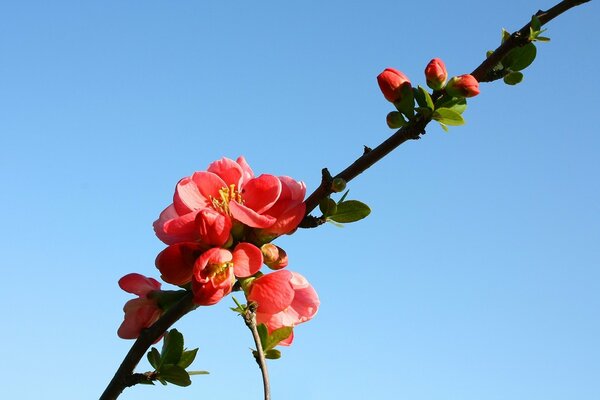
[(366, 149)]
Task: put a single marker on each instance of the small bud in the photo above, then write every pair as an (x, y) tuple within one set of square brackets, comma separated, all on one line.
[(337, 185), (463, 86), (395, 120), (436, 74), (391, 81), (274, 256)]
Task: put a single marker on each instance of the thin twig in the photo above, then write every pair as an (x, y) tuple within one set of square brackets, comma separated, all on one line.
[(250, 320), (416, 128)]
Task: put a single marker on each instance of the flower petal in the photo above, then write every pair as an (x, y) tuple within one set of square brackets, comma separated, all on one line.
[(248, 173), (187, 197), (261, 193), (228, 170), (272, 292), (179, 229), (138, 284), (247, 260), (250, 217), (208, 184), (176, 262)]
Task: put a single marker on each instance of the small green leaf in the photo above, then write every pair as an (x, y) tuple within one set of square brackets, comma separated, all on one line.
[(428, 101), (419, 98), (406, 105), (444, 127), (198, 372), (327, 206), (350, 211), (263, 333), (448, 117), (172, 347), (187, 358), (520, 58), (457, 104), (277, 336), (505, 35), (542, 39), (175, 374), (536, 25), (513, 78), (344, 196), (489, 53), (154, 358), (273, 354)]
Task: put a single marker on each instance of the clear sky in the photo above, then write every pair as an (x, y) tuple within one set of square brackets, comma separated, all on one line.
[(475, 277)]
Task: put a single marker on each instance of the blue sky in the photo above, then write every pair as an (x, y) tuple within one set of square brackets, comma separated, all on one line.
[(475, 277)]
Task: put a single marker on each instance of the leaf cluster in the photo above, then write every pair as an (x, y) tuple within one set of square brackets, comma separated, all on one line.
[(343, 211), (171, 362)]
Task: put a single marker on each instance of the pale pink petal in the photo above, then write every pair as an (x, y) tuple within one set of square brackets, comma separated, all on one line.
[(187, 197), (138, 284), (272, 292), (296, 189), (230, 171), (139, 314), (247, 260), (250, 217), (248, 173), (261, 193), (209, 185)]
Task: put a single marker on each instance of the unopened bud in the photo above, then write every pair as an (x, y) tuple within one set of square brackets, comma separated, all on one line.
[(391, 81), (463, 86), (274, 256), (395, 120), (436, 74), (338, 184)]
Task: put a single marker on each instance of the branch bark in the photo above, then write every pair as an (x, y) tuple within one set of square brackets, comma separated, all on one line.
[(416, 128), (250, 320)]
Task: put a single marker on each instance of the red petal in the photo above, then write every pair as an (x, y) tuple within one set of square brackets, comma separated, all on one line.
[(247, 260), (272, 292), (250, 217), (261, 193), (230, 171), (138, 284)]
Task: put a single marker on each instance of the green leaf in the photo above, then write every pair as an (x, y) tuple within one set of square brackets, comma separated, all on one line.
[(344, 196), (350, 211), (505, 35), (444, 127), (263, 333), (406, 105), (187, 358), (154, 358), (198, 372), (420, 99), (520, 58), (277, 336), (457, 104), (327, 206), (542, 39), (536, 25), (428, 101), (175, 374), (448, 117), (172, 347), (513, 78), (489, 53), (273, 354)]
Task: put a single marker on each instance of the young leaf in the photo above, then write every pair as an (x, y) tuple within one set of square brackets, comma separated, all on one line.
[(187, 358), (428, 99), (154, 358), (175, 374), (344, 196), (350, 211), (536, 25), (458, 104), (172, 347), (198, 372), (520, 58), (505, 35), (263, 333), (277, 336), (327, 206), (272, 354), (513, 78), (420, 99), (444, 127), (448, 117)]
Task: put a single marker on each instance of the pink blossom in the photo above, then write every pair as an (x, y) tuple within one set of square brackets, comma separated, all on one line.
[(142, 312), (463, 86), (284, 298), (206, 203), (176, 262), (215, 270)]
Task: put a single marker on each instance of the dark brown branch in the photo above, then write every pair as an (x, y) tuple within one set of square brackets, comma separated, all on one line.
[(123, 377), (417, 127), (250, 320)]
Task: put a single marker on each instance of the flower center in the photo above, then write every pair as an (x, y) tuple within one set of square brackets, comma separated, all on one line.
[(226, 194), (218, 272)]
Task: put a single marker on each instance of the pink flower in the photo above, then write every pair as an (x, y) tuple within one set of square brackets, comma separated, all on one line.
[(142, 312), (436, 74), (176, 262), (284, 298), (392, 82), (206, 203), (215, 270), (463, 86)]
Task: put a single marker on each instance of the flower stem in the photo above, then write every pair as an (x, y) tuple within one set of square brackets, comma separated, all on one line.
[(250, 320)]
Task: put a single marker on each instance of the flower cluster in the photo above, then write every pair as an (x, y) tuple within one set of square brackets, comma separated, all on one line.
[(218, 231)]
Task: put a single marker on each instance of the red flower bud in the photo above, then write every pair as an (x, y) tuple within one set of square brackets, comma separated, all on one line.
[(274, 256), (436, 74), (463, 86), (391, 81)]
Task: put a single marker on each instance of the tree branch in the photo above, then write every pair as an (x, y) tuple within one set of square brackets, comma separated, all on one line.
[(416, 128), (124, 376), (250, 320)]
